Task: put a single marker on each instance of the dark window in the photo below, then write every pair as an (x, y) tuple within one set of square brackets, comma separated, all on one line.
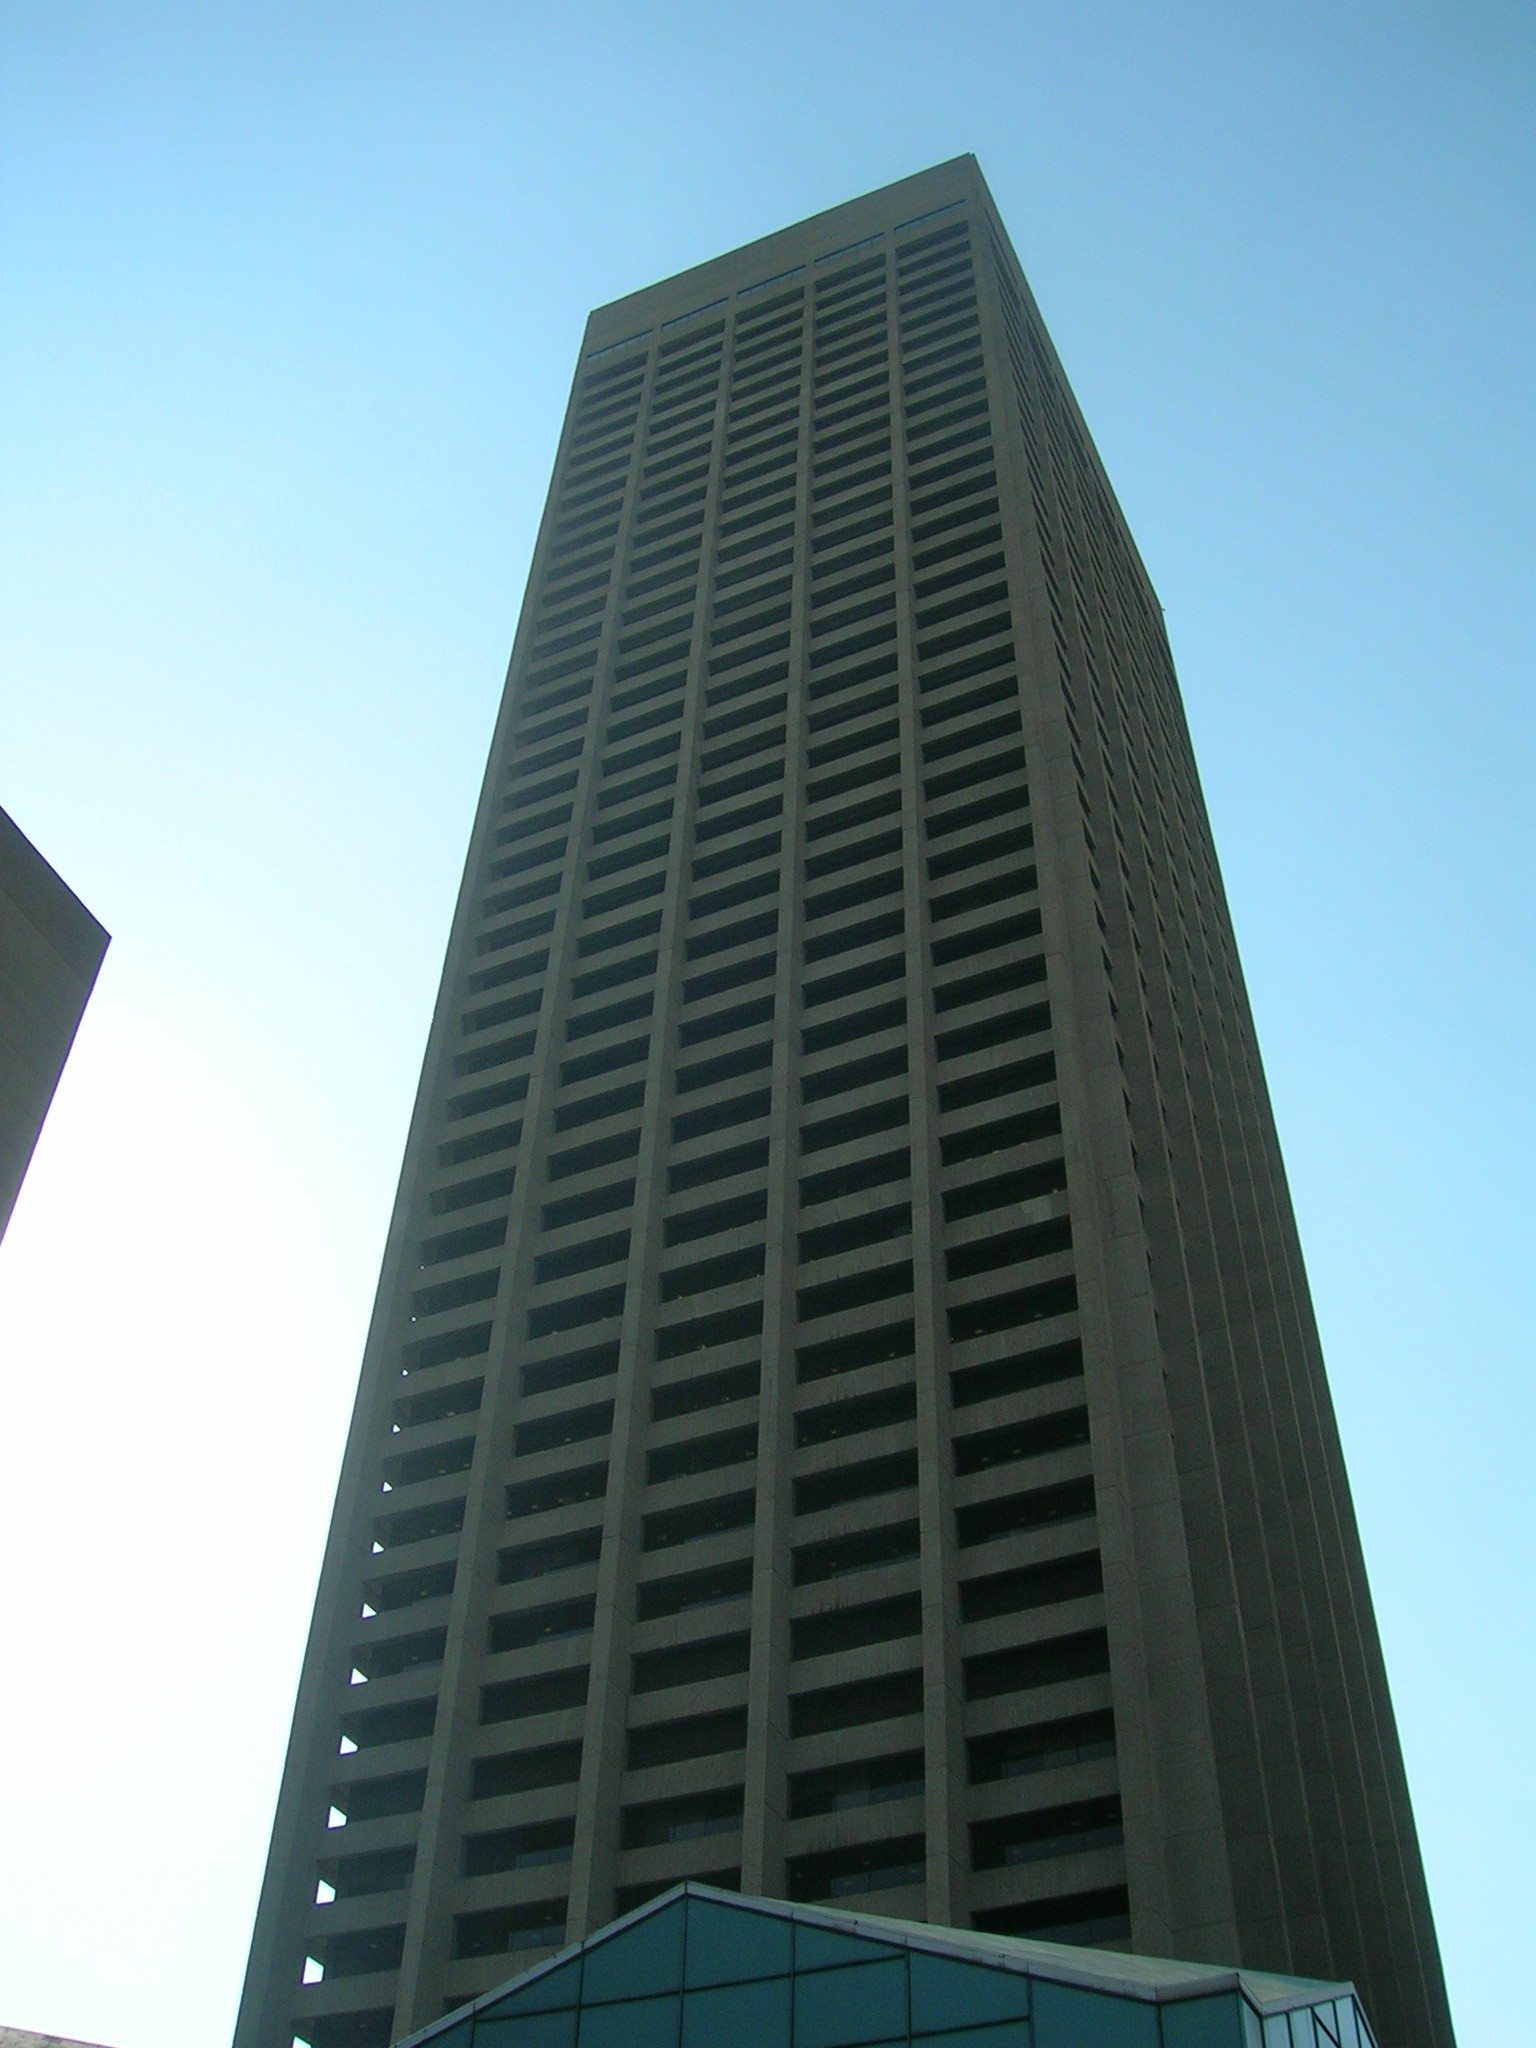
[(1011, 1311), (688, 1590), (548, 1692), (1053, 1831), (555, 1554), (1089, 1919), (686, 1819), (527, 1626), (835, 1556), (995, 1672), (873, 1226), (570, 1426), (999, 1134), (674, 1742), (570, 1368), (854, 1290), (865, 1867), (866, 1480), (557, 1490), (845, 1628), (698, 1519), (1017, 1440), (376, 1798), (526, 1770), (705, 1275), (856, 1704), (705, 1390), (524, 1848), (505, 1930), (701, 1454), (690, 1663), (1047, 1746), (855, 1417), (985, 1521), (700, 1333), (1009, 1248), (380, 1727), (867, 1782), (854, 1177)]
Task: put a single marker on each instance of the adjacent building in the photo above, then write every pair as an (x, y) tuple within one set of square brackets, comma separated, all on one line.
[(50, 950), (843, 1418)]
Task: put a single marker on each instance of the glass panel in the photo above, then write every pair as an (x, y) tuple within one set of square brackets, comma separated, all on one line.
[(1204, 2023), (818, 1947), (745, 2013), (454, 2037), (531, 2030), (838, 2008), (951, 1994), (645, 1957), (727, 1943), (632, 2023), (1068, 2018), (1349, 2033), (1012, 2034), (554, 1988), (1326, 2018), (1277, 2031), (1303, 2033)]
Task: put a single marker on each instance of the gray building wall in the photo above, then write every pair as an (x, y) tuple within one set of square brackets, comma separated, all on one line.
[(50, 950), (843, 1416)]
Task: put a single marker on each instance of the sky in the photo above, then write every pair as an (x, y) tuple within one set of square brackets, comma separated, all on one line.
[(290, 297)]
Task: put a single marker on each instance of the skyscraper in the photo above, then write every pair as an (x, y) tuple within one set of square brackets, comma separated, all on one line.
[(843, 1417)]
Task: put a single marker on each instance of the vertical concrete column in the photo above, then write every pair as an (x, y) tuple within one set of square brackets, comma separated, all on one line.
[(595, 1850), (944, 1771), (762, 1845)]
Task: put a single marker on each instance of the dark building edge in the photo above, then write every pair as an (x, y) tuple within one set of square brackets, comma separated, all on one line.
[(51, 950)]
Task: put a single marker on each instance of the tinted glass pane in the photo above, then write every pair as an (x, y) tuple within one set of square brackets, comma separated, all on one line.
[(817, 1947), (1277, 2031), (454, 2037), (1326, 2016), (1303, 2033), (727, 1943), (741, 2016), (632, 2023), (1204, 2023), (1068, 2018), (645, 1957), (1349, 2033), (837, 2008), (532, 2030), (554, 1987), (1011, 2034), (948, 1994)]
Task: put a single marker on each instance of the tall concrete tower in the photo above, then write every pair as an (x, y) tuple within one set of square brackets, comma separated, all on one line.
[(843, 1417)]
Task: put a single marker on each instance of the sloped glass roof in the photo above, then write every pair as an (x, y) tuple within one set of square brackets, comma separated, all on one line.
[(700, 1968)]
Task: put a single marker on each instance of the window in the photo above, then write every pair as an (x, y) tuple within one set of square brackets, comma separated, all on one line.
[(856, 1704)]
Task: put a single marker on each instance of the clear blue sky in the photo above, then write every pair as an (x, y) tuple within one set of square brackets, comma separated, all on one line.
[(290, 295)]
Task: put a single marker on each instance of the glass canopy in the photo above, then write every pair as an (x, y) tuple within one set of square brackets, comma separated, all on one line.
[(700, 1968)]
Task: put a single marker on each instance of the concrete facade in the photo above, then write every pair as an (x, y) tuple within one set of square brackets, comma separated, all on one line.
[(843, 1417), (50, 950)]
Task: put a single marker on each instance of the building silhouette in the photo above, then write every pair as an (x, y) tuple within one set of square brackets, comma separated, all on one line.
[(51, 949), (843, 1418)]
